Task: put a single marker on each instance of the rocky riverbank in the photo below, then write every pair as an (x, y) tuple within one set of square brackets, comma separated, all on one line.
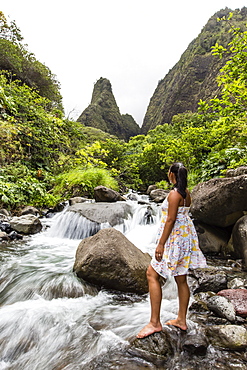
[(218, 308)]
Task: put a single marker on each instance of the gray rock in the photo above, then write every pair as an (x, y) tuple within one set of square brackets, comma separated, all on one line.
[(4, 235), (132, 196), (4, 212), (30, 210), (209, 279), (26, 224), (236, 283), (238, 297), (237, 171), (200, 301), (239, 239), (212, 239), (110, 260), (231, 337), (103, 194), (221, 201), (158, 195), (196, 343), (156, 348), (222, 307), (150, 188), (75, 200), (113, 213)]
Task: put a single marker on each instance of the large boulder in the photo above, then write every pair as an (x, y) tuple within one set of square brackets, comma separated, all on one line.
[(238, 297), (26, 224), (212, 239), (103, 194), (113, 213), (220, 201), (239, 239), (230, 337), (110, 260)]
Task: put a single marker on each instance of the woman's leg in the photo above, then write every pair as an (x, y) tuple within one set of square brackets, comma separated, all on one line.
[(183, 297), (155, 298)]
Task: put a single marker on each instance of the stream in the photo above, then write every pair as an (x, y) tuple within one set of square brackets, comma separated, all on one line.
[(50, 320)]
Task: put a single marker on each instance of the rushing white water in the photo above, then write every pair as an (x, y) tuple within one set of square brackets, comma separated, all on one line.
[(51, 320)]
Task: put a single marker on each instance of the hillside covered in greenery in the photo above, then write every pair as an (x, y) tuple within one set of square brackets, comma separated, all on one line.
[(194, 76), (46, 158)]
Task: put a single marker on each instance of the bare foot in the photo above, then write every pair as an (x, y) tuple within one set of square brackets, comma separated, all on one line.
[(177, 323), (148, 330)]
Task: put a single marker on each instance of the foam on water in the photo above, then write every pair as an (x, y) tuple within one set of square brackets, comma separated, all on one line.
[(48, 317)]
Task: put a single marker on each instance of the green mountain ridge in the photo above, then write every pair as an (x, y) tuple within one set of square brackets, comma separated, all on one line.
[(103, 113), (194, 76)]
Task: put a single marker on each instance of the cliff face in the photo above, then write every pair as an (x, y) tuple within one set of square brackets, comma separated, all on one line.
[(103, 113), (193, 77)]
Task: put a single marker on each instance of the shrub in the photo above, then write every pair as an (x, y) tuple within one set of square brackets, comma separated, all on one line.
[(82, 181)]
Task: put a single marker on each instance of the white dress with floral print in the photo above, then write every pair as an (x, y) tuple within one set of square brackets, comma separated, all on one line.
[(181, 250)]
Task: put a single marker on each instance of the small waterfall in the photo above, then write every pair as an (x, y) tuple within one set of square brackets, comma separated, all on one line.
[(72, 225)]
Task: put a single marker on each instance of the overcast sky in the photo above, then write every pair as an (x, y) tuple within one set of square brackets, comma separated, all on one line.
[(133, 43)]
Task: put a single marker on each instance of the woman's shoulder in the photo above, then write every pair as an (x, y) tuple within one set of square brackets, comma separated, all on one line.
[(174, 195)]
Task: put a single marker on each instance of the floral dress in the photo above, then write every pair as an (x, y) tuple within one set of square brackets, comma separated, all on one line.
[(181, 250)]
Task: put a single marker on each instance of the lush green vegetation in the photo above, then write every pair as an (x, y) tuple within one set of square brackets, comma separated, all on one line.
[(46, 158)]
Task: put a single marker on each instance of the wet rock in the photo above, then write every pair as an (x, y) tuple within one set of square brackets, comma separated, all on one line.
[(158, 195), (239, 237), (29, 210), (200, 301), (4, 212), (148, 216), (236, 283), (238, 297), (222, 307), (209, 279), (150, 188), (156, 348), (212, 239), (143, 202), (221, 201), (231, 337), (58, 208), (196, 343), (113, 213), (75, 200), (5, 226), (103, 194), (110, 260), (3, 235), (13, 235), (26, 224), (132, 197), (214, 320)]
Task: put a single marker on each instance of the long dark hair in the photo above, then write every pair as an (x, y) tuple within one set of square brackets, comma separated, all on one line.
[(180, 173)]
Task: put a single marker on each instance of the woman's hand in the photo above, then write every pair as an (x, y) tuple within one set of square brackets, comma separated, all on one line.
[(159, 252)]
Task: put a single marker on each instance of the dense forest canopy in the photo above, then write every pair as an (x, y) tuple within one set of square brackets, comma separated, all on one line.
[(46, 158)]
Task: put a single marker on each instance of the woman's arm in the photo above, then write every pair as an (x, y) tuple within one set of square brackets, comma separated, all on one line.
[(174, 198)]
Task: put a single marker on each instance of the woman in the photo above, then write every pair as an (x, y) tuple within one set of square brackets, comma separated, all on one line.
[(177, 251)]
